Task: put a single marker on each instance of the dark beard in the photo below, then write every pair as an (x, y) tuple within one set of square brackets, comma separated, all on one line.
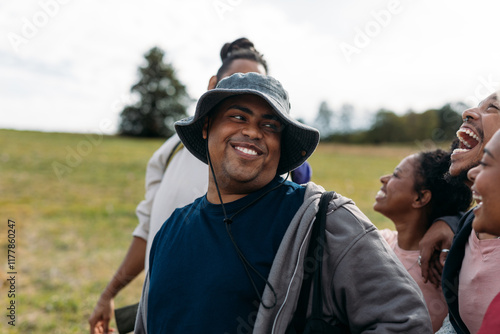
[(461, 178)]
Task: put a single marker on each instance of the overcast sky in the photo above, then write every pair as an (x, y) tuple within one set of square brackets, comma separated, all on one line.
[(68, 65)]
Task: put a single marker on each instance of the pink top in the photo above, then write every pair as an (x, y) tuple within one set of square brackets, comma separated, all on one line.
[(479, 280), (433, 296)]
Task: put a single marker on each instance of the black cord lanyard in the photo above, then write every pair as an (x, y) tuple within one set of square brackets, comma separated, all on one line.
[(228, 221)]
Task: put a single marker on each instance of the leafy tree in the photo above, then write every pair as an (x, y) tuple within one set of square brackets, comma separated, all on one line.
[(387, 127), (419, 126), (162, 100), (324, 119), (450, 119), (346, 114), (436, 125)]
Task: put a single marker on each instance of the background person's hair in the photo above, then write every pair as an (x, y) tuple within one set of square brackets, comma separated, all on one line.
[(448, 198), (242, 48)]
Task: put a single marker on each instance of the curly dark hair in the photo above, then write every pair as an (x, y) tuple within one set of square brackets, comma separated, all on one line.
[(242, 48), (448, 198)]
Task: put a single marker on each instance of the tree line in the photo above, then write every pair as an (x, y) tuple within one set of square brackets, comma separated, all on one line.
[(438, 125), (162, 99)]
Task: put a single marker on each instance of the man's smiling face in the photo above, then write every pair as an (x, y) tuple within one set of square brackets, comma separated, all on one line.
[(244, 141), (480, 123)]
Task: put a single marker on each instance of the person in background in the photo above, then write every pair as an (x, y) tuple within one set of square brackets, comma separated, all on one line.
[(174, 178), (229, 262), (302, 174), (486, 192), (465, 156), (413, 197), (438, 237), (474, 256)]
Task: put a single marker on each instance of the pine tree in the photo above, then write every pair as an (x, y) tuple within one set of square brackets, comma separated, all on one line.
[(163, 100)]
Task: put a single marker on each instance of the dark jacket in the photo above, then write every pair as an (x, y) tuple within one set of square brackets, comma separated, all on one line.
[(452, 268)]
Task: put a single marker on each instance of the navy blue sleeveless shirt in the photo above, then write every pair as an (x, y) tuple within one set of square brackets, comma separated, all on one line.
[(198, 283)]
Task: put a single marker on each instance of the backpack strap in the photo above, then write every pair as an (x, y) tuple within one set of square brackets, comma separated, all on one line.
[(316, 246), (319, 245), (179, 146)]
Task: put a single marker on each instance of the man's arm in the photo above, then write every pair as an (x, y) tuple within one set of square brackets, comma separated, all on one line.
[(134, 261), (131, 266), (452, 221), (438, 237)]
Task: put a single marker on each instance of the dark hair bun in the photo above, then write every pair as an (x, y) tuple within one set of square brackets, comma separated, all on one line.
[(239, 44), (241, 48)]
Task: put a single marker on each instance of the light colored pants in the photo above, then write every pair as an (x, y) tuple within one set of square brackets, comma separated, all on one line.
[(447, 328)]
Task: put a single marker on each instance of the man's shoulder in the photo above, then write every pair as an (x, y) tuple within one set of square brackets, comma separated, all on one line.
[(291, 187), (197, 204), (179, 215), (465, 223), (343, 216)]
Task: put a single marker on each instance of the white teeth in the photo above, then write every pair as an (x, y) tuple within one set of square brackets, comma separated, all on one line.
[(460, 137), (470, 133), (246, 150), (468, 146), (381, 194), (476, 197), (459, 150)]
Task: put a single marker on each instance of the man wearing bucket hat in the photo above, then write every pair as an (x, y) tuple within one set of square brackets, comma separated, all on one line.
[(230, 261)]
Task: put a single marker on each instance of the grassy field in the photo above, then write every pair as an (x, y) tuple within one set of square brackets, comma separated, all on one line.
[(73, 197)]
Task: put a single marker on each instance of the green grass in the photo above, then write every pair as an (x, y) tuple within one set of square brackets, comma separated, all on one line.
[(72, 230), (74, 223)]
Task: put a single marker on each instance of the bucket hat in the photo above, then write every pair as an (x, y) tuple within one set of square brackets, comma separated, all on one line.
[(298, 141)]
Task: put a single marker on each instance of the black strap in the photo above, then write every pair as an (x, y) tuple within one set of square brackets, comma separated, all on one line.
[(174, 151), (317, 306), (313, 268)]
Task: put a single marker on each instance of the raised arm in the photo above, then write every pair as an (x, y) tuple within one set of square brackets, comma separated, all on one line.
[(437, 238)]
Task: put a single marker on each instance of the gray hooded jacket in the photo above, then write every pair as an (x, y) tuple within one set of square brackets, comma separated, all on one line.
[(364, 284)]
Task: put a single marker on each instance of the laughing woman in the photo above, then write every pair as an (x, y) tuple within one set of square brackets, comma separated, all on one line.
[(413, 197), (486, 226)]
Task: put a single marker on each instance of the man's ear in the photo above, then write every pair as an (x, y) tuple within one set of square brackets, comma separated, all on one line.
[(423, 199), (212, 82)]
